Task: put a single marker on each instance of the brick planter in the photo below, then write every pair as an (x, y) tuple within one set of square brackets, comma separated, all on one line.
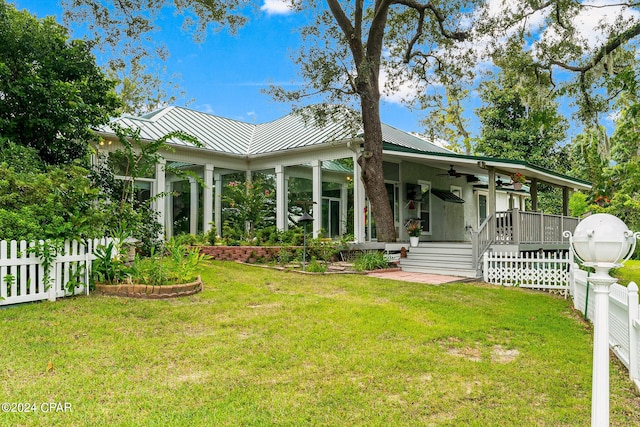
[(151, 292), (241, 253)]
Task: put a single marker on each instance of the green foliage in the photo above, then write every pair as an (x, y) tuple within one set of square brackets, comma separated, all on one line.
[(52, 90), (175, 264), (47, 251), (323, 249), (248, 207), (578, 204), (211, 236), (370, 260), (315, 267), (57, 203), (513, 130), (109, 266), (179, 266), (121, 209)]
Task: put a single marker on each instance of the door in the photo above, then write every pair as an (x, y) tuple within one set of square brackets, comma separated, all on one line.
[(331, 217)]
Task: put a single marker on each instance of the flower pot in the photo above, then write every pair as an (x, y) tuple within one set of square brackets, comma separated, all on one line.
[(413, 240), (517, 186)]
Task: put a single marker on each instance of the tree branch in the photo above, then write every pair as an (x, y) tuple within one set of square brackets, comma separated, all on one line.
[(609, 47)]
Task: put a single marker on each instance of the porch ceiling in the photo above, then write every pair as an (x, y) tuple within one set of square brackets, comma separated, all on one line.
[(476, 165)]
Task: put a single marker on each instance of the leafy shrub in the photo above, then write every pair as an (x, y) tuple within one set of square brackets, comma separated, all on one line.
[(370, 260), (109, 267), (287, 254), (178, 266), (316, 267), (211, 236), (185, 239), (56, 204)]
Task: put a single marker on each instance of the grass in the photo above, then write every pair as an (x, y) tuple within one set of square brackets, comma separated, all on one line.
[(263, 347), (629, 273)]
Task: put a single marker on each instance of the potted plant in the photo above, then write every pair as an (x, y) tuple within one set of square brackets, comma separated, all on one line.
[(517, 179), (414, 229)]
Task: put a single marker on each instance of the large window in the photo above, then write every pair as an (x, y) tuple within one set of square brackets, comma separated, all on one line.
[(482, 208), (425, 206)]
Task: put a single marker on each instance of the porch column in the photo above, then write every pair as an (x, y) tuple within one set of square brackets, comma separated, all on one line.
[(534, 195), (217, 203), (193, 208), (317, 197), (249, 179), (168, 206), (492, 200), (281, 198), (160, 205), (207, 208), (565, 201), (344, 200), (359, 202)]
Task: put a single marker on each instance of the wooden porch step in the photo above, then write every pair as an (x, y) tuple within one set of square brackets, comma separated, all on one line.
[(460, 272), (450, 258)]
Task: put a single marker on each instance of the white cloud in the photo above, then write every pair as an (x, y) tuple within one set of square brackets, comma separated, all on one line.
[(277, 7), (206, 108), (404, 92)]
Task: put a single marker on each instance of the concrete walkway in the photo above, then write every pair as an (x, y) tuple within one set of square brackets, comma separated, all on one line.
[(434, 279)]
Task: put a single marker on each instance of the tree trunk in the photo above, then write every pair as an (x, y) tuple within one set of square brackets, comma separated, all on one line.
[(372, 173)]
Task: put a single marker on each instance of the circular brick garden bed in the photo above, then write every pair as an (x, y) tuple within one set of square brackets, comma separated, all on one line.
[(151, 292)]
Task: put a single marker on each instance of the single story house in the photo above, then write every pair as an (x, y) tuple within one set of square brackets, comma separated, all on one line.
[(458, 198)]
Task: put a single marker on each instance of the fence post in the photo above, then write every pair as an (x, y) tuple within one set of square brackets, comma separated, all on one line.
[(485, 269), (633, 336)]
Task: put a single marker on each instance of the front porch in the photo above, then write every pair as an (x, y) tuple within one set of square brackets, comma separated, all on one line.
[(507, 231)]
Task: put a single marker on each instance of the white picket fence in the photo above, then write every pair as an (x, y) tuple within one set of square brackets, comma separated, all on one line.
[(528, 270), (560, 272), (624, 320), (23, 278)]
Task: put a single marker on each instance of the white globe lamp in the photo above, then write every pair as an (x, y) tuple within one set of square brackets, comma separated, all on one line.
[(601, 241)]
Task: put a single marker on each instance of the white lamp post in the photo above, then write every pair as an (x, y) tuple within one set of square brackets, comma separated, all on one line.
[(304, 220), (603, 242)]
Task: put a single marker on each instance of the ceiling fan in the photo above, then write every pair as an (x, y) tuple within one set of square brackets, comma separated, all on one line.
[(451, 173)]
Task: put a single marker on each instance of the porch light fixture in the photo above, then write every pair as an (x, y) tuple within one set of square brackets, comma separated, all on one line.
[(603, 242), (304, 220)]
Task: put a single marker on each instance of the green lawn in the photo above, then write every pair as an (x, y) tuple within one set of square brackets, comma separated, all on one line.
[(262, 347), (629, 273)]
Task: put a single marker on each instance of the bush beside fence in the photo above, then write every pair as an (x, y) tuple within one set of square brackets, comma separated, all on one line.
[(24, 278)]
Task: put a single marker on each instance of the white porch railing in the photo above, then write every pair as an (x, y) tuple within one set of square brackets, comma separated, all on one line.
[(523, 227), (516, 227), (23, 277)]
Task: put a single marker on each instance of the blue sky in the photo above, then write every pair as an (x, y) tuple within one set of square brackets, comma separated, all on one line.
[(225, 74)]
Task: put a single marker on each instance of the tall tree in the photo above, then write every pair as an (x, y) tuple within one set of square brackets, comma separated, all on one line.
[(51, 90), (349, 46), (511, 130)]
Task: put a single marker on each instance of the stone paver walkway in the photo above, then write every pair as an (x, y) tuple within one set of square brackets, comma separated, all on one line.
[(434, 279)]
